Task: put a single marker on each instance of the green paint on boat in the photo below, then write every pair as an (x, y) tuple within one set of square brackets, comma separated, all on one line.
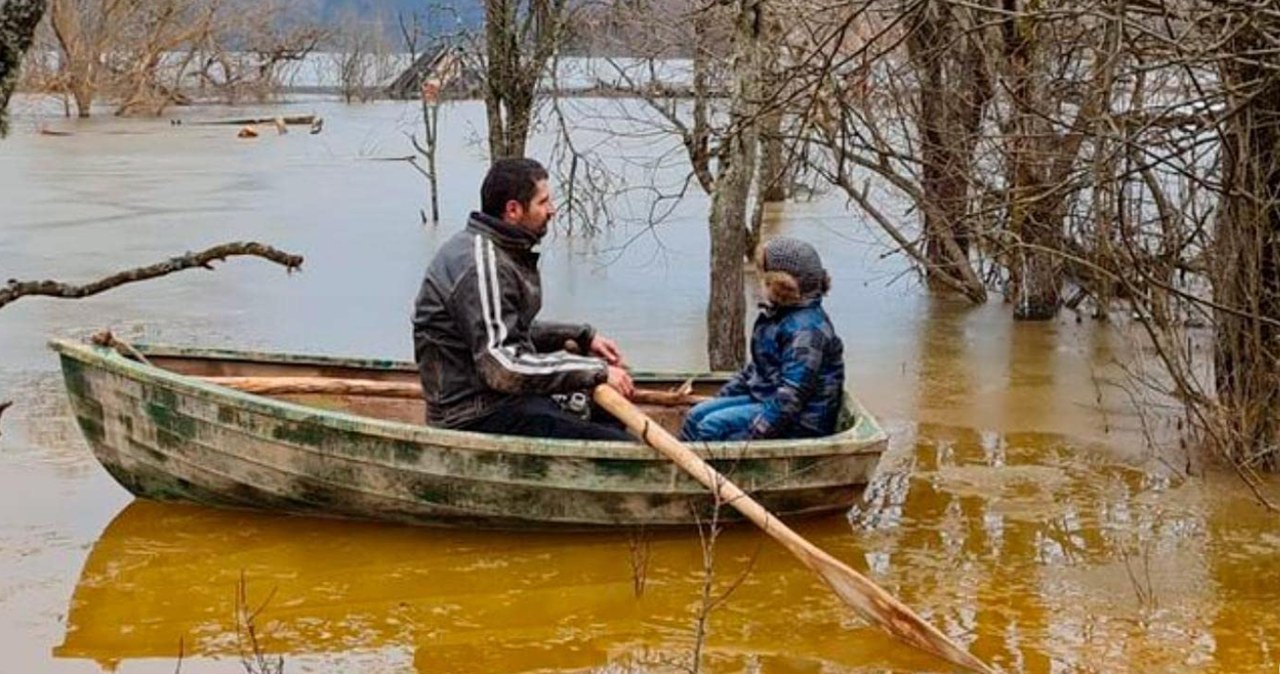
[(301, 433), (92, 428), (406, 452), (527, 466), (173, 429), (314, 494), (431, 492), (620, 467), (74, 377)]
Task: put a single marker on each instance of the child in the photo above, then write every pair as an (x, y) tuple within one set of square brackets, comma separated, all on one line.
[(794, 385)]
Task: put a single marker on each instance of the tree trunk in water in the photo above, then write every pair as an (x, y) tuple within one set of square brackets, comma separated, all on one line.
[(699, 140), (1035, 271), (79, 50), (18, 21), (83, 97), (775, 176), (499, 41), (726, 312), (1246, 264), (519, 115), (954, 91), (775, 179), (433, 177), (497, 131), (1038, 279), (520, 38)]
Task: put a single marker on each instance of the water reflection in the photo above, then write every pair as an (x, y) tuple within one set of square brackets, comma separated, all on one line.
[(1068, 562), (459, 601), (1035, 560)]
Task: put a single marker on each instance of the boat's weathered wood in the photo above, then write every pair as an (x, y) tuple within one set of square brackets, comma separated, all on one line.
[(167, 435), (870, 600), (319, 385), (393, 389)]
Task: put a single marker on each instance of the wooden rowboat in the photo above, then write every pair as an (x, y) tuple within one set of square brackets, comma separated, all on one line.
[(165, 431)]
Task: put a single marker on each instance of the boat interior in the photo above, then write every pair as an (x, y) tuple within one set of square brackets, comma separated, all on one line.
[(387, 391)]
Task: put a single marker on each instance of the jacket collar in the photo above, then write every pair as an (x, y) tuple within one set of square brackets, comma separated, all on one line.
[(507, 236), (775, 310)]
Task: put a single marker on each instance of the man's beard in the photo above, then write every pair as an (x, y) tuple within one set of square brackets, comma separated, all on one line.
[(541, 230)]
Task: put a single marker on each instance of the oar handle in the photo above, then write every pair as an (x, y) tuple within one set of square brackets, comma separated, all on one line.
[(654, 435)]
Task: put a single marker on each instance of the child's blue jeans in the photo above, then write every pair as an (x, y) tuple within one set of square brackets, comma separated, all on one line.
[(719, 419)]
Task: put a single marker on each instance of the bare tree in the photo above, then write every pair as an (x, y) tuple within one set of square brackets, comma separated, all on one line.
[(166, 29), (145, 56), (714, 114), (946, 51), (726, 309), (245, 57), (18, 21), (1246, 246), (520, 38), (777, 160), (896, 99), (360, 55), (433, 69), (84, 30)]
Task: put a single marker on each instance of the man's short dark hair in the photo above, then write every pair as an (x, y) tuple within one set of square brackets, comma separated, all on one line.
[(510, 179)]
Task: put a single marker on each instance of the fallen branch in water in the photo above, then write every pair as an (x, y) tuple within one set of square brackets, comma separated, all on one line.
[(204, 259), (241, 121)]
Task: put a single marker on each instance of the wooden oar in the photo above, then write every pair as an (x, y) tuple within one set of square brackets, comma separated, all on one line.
[(397, 389), (867, 598)]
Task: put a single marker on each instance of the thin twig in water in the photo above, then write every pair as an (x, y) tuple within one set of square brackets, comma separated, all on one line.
[(709, 533), (204, 260), (1142, 587), (641, 549), (253, 658)]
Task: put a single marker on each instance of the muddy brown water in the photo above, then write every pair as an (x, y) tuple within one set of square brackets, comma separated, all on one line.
[(1018, 507)]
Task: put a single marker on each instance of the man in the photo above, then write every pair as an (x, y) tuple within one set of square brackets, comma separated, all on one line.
[(487, 363)]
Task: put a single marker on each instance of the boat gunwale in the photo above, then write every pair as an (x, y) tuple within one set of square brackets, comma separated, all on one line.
[(858, 439)]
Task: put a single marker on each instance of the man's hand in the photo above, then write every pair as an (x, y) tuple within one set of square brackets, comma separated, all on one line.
[(608, 350), (620, 380)]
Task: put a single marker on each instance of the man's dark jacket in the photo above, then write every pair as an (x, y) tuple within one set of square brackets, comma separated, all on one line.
[(475, 334)]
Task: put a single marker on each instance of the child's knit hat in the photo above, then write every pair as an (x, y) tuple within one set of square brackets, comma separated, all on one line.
[(798, 259)]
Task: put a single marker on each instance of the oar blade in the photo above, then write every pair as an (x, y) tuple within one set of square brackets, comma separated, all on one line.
[(882, 609)]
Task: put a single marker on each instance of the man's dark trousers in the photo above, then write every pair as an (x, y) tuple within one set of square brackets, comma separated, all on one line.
[(541, 417)]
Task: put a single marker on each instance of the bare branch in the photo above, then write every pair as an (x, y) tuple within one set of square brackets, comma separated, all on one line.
[(204, 260)]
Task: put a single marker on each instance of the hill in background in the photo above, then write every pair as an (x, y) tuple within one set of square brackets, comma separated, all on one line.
[(437, 16)]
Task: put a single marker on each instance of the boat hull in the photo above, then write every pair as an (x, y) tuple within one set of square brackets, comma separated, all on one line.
[(169, 436)]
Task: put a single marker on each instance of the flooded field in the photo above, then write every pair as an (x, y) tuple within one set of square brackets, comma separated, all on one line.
[(1018, 507)]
